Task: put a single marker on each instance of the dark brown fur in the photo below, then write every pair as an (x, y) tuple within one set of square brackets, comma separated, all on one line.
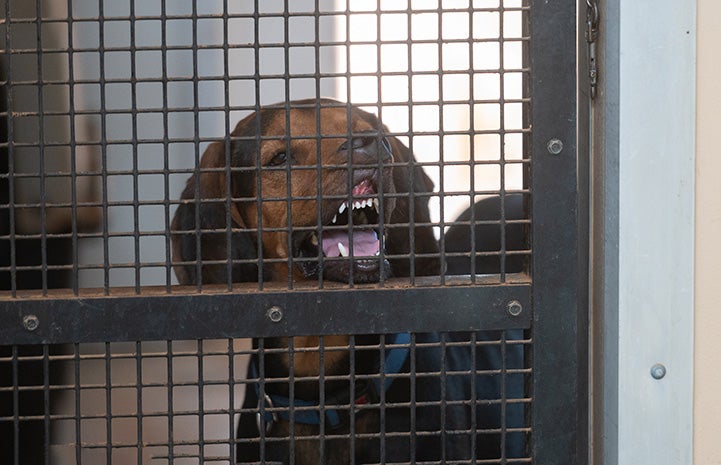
[(205, 199), (271, 123)]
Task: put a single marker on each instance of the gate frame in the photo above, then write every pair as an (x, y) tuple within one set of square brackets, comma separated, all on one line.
[(556, 301), (560, 235)]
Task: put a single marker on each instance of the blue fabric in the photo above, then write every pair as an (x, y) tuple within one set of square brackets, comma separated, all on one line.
[(394, 360)]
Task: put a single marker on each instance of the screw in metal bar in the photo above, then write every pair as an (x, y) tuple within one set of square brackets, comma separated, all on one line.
[(514, 308), (31, 322), (658, 371), (554, 146), (275, 314)]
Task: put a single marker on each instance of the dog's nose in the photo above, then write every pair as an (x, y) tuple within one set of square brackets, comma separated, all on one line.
[(367, 150)]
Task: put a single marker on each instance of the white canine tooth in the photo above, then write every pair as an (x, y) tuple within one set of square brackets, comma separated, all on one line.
[(342, 207), (342, 249), (375, 204), (314, 239), (335, 218)]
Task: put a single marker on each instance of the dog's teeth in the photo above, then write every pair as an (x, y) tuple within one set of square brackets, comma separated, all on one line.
[(314, 239), (364, 203), (357, 204), (342, 207), (375, 204), (335, 218), (378, 253), (343, 251)]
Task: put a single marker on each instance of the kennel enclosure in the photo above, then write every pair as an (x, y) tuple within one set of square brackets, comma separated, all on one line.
[(109, 108)]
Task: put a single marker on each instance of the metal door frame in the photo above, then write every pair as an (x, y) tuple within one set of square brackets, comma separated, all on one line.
[(560, 238), (643, 277)]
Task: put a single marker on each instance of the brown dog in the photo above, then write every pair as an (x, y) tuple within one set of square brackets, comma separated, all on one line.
[(315, 192), (270, 199)]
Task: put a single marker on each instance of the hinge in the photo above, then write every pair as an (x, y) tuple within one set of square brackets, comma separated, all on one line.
[(591, 36)]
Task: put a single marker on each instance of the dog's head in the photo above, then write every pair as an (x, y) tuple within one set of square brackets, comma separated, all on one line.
[(319, 188)]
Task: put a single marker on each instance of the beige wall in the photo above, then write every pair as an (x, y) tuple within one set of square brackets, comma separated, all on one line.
[(707, 382)]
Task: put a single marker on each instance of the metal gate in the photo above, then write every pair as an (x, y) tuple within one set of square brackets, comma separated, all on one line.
[(396, 222)]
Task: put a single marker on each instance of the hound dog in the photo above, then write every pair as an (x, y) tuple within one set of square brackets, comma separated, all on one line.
[(292, 169)]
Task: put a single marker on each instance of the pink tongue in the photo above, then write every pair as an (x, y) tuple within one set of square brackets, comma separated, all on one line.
[(365, 243), (363, 187)]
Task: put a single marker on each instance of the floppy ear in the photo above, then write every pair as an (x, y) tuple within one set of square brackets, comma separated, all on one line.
[(412, 209), (209, 208)]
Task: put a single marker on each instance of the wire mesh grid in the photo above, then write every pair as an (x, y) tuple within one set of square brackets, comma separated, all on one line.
[(182, 402), (156, 143), (112, 106)]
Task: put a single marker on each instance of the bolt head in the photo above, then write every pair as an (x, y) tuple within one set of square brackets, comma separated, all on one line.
[(554, 146), (31, 322), (275, 314), (514, 308), (658, 371)]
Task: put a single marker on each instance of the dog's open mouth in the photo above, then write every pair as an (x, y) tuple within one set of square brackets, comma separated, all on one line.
[(350, 240)]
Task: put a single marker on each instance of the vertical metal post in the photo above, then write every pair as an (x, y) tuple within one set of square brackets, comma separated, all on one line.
[(559, 266)]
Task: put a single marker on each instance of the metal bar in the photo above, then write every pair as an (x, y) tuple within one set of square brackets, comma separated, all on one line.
[(108, 417), (559, 410), (134, 149), (46, 403), (78, 407), (502, 134), (163, 317), (73, 156), (227, 147), (139, 398), (10, 133), (166, 149), (41, 151), (329, 12), (16, 406)]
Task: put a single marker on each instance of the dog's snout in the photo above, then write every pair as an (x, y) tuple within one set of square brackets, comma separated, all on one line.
[(367, 149)]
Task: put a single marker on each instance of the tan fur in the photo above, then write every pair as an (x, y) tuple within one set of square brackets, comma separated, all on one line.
[(318, 162), (274, 184)]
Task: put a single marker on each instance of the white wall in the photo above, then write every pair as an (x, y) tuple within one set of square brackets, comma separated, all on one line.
[(183, 124)]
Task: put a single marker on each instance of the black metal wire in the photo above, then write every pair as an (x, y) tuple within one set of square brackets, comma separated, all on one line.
[(11, 158), (166, 150), (41, 154), (288, 132), (134, 129), (16, 406), (138, 263), (502, 121)]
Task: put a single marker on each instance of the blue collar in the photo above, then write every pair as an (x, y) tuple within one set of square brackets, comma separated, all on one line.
[(394, 361)]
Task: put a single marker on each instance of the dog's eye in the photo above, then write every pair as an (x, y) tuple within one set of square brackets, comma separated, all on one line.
[(280, 158)]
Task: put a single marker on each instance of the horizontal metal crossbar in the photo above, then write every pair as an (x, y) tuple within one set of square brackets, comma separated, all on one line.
[(31, 318)]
